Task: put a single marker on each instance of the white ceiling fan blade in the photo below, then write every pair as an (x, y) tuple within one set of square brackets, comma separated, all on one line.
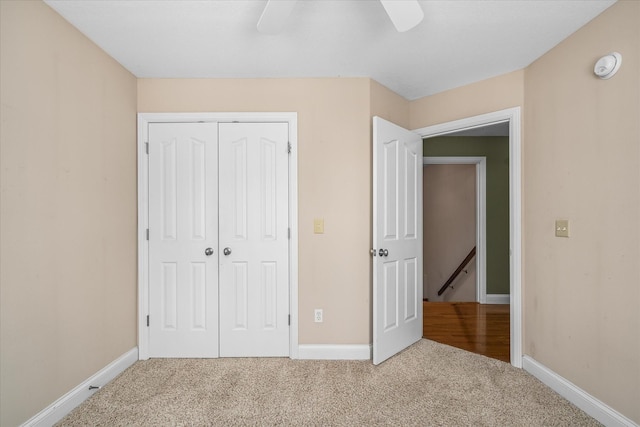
[(405, 14), (275, 15)]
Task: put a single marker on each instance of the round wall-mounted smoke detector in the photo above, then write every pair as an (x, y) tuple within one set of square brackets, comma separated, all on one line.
[(608, 65)]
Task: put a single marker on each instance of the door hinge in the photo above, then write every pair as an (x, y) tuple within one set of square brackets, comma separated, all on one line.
[(147, 234), (146, 147), (289, 320), (289, 147), (288, 233), (147, 320)]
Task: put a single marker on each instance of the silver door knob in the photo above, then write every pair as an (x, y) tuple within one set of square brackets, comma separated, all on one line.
[(383, 252), (208, 251), (227, 251)]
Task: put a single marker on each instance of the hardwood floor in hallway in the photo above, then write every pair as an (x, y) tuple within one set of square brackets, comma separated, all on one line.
[(478, 328)]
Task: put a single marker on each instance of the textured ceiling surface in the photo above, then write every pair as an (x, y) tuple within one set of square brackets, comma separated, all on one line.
[(457, 43)]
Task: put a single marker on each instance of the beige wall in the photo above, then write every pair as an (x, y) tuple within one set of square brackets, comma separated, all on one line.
[(449, 230), (486, 96), (582, 163), (67, 209), (334, 183)]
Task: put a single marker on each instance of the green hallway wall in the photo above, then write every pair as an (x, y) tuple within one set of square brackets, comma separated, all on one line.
[(496, 150)]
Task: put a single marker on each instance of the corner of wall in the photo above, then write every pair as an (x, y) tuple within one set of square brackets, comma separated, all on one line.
[(389, 105)]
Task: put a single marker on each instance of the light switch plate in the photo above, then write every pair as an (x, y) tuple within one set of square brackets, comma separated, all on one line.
[(562, 228), (318, 226)]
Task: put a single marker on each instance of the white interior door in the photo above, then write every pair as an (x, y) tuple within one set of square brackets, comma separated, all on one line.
[(183, 228), (254, 221), (397, 239)]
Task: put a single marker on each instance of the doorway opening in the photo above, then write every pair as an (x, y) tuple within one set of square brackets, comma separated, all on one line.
[(454, 230), (509, 121)]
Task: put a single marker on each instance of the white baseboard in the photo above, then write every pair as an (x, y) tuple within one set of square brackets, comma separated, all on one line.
[(334, 351), (498, 299), (61, 407), (574, 394)]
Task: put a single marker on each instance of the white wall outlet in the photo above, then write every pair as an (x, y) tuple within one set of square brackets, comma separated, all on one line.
[(317, 315)]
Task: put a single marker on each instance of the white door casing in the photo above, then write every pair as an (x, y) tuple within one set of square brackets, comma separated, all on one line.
[(397, 239), (183, 223), (254, 221), (512, 116)]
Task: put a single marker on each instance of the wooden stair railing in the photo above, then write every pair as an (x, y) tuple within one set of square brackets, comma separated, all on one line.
[(461, 267)]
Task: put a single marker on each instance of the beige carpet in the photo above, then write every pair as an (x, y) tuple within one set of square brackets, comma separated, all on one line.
[(429, 384)]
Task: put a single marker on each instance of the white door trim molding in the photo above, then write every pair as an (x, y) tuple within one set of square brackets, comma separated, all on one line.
[(143, 210), (481, 215), (511, 115)]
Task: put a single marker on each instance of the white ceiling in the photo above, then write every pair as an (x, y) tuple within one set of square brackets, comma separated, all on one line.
[(458, 42)]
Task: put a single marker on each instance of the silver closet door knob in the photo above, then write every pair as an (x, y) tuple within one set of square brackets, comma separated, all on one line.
[(208, 251), (227, 251)]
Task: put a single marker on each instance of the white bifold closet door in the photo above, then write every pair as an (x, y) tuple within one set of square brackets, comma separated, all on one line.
[(218, 239), (183, 239), (254, 221)]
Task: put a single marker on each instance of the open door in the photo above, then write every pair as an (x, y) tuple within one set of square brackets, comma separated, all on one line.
[(397, 239)]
